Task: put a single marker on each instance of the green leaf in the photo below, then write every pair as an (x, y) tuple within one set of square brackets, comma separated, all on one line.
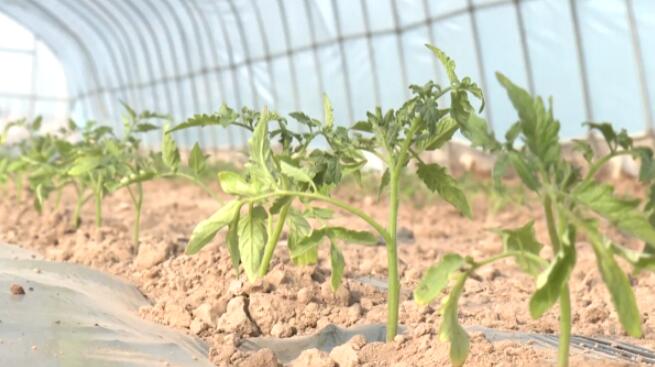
[(337, 265), (523, 170), (477, 131), (329, 112), (36, 124), (145, 127), (447, 62), (319, 213), (170, 153), (551, 282), (445, 130), (450, 330), (84, 165), (352, 236), (523, 240), (224, 117), (206, 230), (295, 173), (252, 240), (384, 182), (232, 183), (623, 213), (436, 278), (436, 179), (540, 129), (260, 155), (197, 160), (299, 228), (233, 242)]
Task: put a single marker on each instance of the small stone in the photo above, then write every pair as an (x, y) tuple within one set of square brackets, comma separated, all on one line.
[(341, 296), (235, 287), (399, 339), (17, 290), (34, 347), (313, 357), (235, 319), (262, 357), (178, 316)]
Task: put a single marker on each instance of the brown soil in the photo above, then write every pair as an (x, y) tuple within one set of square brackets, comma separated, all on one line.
[(201, 294)]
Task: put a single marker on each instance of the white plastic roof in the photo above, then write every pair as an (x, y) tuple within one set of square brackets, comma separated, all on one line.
[(596, 58)]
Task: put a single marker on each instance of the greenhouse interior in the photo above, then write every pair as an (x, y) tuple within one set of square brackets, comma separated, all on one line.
[(331, 183)]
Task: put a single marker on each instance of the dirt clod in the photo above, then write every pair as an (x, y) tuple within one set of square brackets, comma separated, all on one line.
[(262, 357), (313, 357), (235, 319), (17, 290)]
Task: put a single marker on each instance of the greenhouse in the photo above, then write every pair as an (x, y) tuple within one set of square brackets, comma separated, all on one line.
[(327, 182)]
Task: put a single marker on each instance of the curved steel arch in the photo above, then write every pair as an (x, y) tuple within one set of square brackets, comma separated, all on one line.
[(103, 38)]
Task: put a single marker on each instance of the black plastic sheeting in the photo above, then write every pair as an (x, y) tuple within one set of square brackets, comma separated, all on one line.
[(73, 316)]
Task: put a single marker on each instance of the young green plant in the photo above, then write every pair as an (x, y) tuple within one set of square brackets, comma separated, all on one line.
[(275, 178), (573, 204)]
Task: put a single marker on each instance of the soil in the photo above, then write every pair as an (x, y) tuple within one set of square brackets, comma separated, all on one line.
[(202, 295)]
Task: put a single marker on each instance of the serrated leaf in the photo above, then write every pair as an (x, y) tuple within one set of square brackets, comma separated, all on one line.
[(436, 278), (523, 170), (436, 179), (523, 240), (620, 289), (170, 153), (450, 330), (337, 265), (299, 228), (260, 155), (352, 236), (252, 240), (224, 117), (232, 183), (206, 230), (329, 112), (447, 62), (145, 127), (445, 130), (84, 165), (197, 160), (540, 129), (295, 173), (623, 213), (477, 131), (551, 281), (233, 242)]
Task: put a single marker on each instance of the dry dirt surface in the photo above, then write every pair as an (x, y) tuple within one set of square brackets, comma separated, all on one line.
[(202, 295)]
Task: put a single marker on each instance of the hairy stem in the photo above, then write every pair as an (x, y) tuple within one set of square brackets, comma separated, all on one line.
[(392, 259), (138, 204), (550, 222), (273, 239), (564, 327)]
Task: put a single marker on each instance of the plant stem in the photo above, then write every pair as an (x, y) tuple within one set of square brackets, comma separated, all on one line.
[(550, 222), (78, 208), (393, 281), (137, 220), (273, 239), (564, 327), (326, 199), (98, 197)]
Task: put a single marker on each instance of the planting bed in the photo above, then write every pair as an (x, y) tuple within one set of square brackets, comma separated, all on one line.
[(201, 294)]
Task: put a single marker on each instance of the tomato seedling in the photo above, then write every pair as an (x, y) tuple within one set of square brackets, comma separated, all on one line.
[(573, 204), (277, 177)]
